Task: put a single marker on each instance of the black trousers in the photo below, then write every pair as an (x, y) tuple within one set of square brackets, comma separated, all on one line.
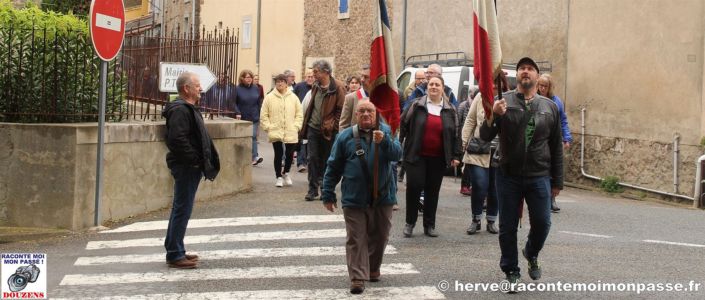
[(288, 160), (318, 152), (425, 175)]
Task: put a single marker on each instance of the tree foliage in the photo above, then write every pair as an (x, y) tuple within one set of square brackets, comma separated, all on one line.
[(77, 7), (49, 70)]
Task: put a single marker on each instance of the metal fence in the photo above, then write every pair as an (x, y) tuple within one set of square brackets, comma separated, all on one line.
[(50, 76), (141, 56)]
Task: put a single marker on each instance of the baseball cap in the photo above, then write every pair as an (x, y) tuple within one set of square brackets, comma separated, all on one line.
[(528, 60)]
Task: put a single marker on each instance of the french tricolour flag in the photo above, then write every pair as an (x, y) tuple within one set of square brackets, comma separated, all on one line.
[(383, 90), (488, 53)]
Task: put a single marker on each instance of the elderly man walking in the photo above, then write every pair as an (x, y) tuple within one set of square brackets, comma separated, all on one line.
[(530, 166), (191, 156), (363, 155)]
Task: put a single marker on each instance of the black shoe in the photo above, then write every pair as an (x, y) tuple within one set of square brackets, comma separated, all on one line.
[(474, 227), (554, 205), (534, 268), (310, 197), (513, 278), (357, 286), (408, 230), (430, 231), (492, 228)]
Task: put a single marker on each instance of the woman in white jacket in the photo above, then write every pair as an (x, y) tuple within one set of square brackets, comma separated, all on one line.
[(281, 117)]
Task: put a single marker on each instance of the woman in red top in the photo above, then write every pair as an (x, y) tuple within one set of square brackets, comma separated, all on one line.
[(431, 135)]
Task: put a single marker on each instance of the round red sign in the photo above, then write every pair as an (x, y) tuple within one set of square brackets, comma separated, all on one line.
[(107, 27)]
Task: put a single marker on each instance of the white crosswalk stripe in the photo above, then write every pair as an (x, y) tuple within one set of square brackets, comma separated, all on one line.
[(394, 293), (220, 238), (221, 254), (233, 273), (130, 274), (229, 222)]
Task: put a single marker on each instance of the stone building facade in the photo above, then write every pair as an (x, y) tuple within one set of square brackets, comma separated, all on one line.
[(345, 42), (181, 15)]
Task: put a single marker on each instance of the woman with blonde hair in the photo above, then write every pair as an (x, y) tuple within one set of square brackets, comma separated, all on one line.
[(545, 88)]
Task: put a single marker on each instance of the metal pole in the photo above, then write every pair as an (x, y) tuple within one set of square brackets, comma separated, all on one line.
[(101, 127)]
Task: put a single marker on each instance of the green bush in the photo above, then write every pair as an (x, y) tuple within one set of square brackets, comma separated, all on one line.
[(49, 70), (610, 184)]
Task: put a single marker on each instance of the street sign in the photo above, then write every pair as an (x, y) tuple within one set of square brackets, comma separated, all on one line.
[(169, 72), (107, 27)]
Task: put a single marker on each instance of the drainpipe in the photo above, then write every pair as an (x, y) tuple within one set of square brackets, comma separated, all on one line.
[(585, 174), (698, 201), (259, 27), (403, 37), (676, 138), (193, 19)]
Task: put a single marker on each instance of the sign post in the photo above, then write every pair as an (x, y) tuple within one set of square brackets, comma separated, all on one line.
[(107, 26)]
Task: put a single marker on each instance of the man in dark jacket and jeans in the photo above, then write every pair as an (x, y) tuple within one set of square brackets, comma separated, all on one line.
[(364, 159), (191, 156), (530, 166)]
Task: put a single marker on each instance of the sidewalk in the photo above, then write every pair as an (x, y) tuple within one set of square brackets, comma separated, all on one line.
[(23, 234)]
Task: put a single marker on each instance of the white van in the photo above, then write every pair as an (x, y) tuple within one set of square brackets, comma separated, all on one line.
[(458, 78)]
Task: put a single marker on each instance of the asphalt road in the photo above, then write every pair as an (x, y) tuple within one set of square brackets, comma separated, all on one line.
[(596, 238)]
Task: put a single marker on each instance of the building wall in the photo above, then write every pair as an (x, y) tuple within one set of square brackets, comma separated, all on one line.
[(433, 26), (347, 41), (281, 33), (176, 12), (639, 75), (134, 11)]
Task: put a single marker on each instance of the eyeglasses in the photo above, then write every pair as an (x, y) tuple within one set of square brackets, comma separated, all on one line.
[(420, 78)]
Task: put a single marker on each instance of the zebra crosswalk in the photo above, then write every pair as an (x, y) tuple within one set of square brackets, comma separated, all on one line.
[(134, 268)]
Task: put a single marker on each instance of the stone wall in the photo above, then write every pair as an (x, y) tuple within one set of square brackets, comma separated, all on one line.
[(642, 163), (346, 40), (48, 174)]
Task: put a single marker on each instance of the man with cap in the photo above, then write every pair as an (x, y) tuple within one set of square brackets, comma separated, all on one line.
[(530, 166)]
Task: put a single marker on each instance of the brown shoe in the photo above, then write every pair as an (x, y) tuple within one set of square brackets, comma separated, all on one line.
[(182, 264), (192, 257), (374, 276), (357, 286)]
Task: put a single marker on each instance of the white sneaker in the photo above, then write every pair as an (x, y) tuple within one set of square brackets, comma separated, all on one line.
[(280, 182), (287, 180)]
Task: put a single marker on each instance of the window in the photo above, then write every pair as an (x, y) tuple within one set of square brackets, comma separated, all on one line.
[(246, 34), (343, 9), (132, 3)]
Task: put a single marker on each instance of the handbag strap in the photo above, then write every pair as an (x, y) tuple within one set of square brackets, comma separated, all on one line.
[(360, 153)]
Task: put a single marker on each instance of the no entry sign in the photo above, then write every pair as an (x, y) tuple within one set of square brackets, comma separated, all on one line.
[(107, 27)]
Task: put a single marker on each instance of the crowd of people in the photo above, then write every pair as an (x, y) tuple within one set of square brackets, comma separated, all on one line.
[(510, 157)]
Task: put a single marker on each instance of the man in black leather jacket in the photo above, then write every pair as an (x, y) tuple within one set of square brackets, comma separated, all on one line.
[(191, 156), (530, 166)]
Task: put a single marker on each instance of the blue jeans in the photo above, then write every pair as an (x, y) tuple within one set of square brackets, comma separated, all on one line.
[(301, 155), (255, 127), (186, 180), (483, 185), (536, 191)]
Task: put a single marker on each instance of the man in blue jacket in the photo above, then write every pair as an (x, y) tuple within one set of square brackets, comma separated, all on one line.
[(363, 154)]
